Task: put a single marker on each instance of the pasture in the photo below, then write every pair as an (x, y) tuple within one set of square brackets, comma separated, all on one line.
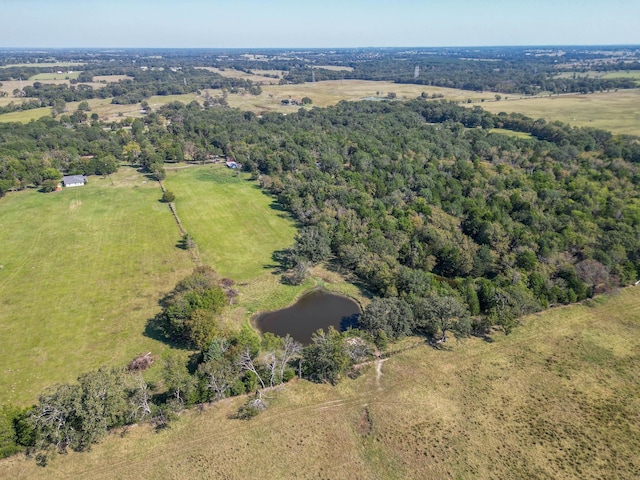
[(45, 77), (332, 91), (25, 116), (83, 270), (236, 226), (618, 111), (555, 399)]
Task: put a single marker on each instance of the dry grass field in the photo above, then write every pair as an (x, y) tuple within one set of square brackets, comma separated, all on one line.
[(257, 77), (618, 111), (557, 399), (331, 92)]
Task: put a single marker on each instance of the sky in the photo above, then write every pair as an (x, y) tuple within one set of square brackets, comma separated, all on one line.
[(316, 24)]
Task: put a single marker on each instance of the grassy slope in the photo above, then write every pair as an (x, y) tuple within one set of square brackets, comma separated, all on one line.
[(223, 209), (237, 228), (556, 399), (83, 270)]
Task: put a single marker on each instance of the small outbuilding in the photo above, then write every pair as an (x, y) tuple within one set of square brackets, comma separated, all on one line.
[(74, 180)]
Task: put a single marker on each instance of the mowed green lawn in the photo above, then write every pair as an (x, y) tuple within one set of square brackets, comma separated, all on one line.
[(236, 226), (556, 399), (82, 272)]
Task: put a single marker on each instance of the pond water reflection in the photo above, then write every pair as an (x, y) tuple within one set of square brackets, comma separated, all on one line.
[(314, 310)]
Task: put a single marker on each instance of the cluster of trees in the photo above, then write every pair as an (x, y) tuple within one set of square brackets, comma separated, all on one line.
[(38, 153), (140, 85), (421, 198)]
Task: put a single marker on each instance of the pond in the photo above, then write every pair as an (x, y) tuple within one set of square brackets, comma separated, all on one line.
[(314, 310)]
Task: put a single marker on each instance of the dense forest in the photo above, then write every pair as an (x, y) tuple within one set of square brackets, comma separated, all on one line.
[(421, 196)]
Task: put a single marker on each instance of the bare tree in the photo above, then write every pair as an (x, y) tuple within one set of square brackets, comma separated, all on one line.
[(245, 362), (141, 398)]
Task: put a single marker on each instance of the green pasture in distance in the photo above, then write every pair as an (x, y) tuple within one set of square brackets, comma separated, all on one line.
[(25, 116), (511, 133)]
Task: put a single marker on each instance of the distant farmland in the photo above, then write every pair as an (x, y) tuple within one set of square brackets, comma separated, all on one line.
[(618, 111)]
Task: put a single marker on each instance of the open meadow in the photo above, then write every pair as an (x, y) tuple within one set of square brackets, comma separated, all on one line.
[(237, 228), (557, 399), (331, 92), (82, 272), (618, 111)]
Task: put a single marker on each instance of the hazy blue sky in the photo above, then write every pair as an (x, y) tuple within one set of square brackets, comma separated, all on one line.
[(327, 23)]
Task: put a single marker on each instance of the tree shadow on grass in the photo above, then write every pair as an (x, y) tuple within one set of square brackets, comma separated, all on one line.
[(281, 261), (153, 330)]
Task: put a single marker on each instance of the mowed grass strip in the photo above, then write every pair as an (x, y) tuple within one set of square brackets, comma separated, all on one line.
[(83, 270), (555, 399), (236, 226)]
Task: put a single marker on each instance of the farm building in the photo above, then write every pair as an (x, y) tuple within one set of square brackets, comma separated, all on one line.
[(233, 165), (74, 180)]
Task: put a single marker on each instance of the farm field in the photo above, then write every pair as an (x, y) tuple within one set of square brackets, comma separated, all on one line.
[(555, 399), (618, 111), (82, 272), (332, 91), (44, 77)]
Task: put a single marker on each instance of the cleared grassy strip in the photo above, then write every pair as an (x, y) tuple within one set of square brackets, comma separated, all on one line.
[(511, 133), (25, 116), (54, 76), (618, 112), (82, 272), (556, 399), (235, 225)]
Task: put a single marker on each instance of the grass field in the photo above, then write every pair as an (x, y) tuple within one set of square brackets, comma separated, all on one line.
[(236, 226), (618, 111), (511, 133), (82, 272), (635, 74), (25, 116), (257, 77), (44, 64), (557, 399), (331, 92), (42, 77)]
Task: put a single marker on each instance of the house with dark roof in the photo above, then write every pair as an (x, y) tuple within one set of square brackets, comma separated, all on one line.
[(74, 180)]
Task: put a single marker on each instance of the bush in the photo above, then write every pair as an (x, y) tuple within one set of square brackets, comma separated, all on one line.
[(168, 197)]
